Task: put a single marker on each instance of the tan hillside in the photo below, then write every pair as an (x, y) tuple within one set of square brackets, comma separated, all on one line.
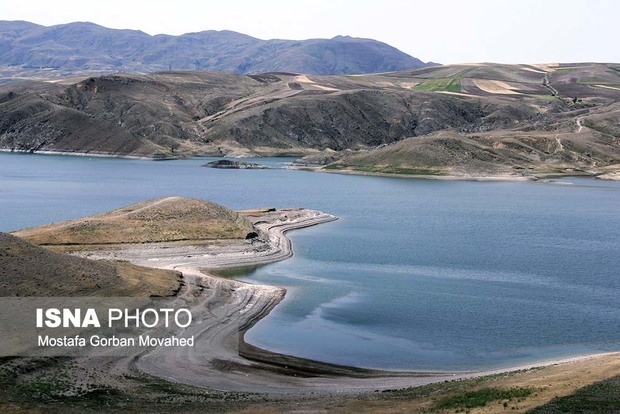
[(160, 220), (30, 270), (175, 113), (528, 154)]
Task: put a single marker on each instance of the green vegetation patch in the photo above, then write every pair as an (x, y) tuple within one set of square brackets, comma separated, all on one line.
[(571, 69), (441, 84), (480, 398), (602, 397)]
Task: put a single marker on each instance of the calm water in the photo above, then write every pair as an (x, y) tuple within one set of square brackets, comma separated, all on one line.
[(415, 275)]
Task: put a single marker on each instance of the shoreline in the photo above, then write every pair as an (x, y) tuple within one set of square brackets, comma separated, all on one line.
[(222, 359), (89, 154), (508, 177)]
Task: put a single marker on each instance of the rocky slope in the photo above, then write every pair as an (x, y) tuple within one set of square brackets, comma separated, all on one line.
[(172, 114)]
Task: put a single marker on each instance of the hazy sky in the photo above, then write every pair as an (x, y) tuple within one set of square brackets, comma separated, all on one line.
[(444, 31)]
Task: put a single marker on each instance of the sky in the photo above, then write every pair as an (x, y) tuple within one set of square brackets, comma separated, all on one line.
[(443, 31)]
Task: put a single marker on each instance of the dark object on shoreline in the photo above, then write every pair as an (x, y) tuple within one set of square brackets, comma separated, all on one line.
[(235, 165)]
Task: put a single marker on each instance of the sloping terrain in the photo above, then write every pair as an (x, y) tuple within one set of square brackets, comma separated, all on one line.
[(30, 270), (162, 220), (172, 114), (574, 129), (492, 153), (28, 50), (123, 115)]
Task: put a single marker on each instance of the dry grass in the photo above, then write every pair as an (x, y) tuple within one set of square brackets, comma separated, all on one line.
[(495, 87), (30, 270), (161, 220), (546, 383)]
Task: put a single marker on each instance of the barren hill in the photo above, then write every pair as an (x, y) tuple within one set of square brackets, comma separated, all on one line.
[(573, 131), (162, 220), (172, 114), (30, 270)]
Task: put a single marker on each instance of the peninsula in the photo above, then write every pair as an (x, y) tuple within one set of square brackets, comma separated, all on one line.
[(191, 239)]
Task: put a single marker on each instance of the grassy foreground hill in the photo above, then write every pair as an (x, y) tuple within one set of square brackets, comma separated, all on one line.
[(167, 219), (30, 270), (27, 269)]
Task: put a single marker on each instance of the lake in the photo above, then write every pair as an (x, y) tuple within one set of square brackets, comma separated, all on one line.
[(416, 274)]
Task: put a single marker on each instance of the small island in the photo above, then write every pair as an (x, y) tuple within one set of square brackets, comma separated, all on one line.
[(235, 165)]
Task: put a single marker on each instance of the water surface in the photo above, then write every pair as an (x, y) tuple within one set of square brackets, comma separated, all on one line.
[(416, 274)]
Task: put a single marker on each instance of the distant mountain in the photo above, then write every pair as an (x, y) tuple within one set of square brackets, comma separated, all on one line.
[(76, 47)]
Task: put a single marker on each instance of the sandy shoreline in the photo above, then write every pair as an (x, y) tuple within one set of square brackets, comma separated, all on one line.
[(226, 309)]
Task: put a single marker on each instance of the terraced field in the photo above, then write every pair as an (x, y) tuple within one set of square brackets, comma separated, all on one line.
[(440, 84)]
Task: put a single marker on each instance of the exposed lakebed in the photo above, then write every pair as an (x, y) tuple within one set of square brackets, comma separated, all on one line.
[(420, 275)]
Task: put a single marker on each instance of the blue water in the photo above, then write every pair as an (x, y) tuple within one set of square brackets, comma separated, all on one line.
[(426, 275)]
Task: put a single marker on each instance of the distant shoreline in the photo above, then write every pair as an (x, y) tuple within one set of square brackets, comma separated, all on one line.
[(449, 177), (88, 154), (466, 177)]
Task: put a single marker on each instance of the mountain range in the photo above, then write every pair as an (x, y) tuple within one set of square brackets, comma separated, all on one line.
[(81, 47)]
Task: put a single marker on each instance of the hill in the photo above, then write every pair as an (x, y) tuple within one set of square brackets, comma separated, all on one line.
[(167, 219), (172, 114), (492, 154), (27, 49), (574, 132), (30, 270)]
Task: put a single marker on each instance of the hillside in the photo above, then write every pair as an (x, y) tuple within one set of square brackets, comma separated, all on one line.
[(492, 154), (162, 220), (28, 50), (30, 270), (172, 114), (575, 132)]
